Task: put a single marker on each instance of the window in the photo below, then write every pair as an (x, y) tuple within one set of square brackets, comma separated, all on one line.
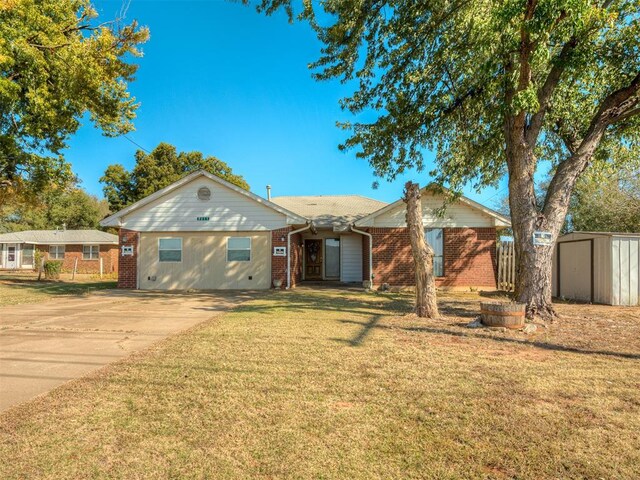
[(56, 252), (90, 252), (27, 255), (238, 249), (170, 250), (434, 237)]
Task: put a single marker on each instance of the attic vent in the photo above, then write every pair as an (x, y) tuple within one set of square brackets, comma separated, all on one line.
[(204, 193)]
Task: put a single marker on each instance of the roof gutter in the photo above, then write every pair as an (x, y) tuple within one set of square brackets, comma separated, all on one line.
[(293, 232), (367, 234)]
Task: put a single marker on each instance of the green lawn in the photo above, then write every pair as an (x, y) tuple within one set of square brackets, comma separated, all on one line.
[(25, 288), (346, 385)]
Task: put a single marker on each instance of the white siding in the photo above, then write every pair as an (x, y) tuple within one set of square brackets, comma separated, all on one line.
[(625, 271), (456, 215), (227, 211), (351, 258), (602, 270)]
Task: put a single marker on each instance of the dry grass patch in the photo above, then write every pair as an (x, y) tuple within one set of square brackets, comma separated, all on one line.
[(19, 288), (342, 384)]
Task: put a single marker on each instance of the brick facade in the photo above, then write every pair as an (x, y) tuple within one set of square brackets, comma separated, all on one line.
[(366, 243), (108, 254), (128, 268), (279, 264), (469, 257)]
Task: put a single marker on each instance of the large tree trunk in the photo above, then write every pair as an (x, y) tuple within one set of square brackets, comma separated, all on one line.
[(426, 304), (533, 262)]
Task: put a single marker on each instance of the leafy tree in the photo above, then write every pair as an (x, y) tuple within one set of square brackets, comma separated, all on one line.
[(58, 63), (153, 171), (607, 203), (493, 88), (71, 207)]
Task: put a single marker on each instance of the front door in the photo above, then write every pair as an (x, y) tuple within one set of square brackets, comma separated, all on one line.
[(313, 259), (12, 260)]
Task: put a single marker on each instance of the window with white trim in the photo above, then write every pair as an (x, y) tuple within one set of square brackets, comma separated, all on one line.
[(90, 252), (56, 252), (170, 249), (435, 238), (238, 249)]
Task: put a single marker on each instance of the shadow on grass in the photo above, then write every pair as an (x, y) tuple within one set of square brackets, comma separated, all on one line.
[(367, 327)]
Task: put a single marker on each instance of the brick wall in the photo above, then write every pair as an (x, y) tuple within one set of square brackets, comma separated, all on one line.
[(279, 264), (365, 258), (128, 266), (469, 257), (108, 254)]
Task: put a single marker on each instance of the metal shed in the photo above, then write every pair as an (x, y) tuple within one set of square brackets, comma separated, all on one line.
[(598, 267)]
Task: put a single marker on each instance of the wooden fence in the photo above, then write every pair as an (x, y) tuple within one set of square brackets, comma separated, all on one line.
[(506, 266)]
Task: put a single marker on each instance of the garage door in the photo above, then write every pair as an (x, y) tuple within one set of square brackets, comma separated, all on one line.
[(205, 261)]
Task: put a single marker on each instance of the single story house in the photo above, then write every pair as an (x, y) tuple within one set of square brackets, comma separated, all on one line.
[(82, 249), (202, 232), (598, 267)]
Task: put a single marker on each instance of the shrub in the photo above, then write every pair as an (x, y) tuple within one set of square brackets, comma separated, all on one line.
[(52, 269), (38, 255)]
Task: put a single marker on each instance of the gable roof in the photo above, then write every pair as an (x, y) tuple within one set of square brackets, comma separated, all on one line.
[(502, 220), (114, 220), (329, 210), (59, 237)]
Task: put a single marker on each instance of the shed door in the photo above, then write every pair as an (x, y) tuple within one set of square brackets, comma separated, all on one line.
[(575, 276)]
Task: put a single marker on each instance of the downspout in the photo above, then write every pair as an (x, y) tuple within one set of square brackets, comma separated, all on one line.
[(289, 251), (361, 232)]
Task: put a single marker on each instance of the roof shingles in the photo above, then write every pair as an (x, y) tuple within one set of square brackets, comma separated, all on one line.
[(330, 210), (59, 237)]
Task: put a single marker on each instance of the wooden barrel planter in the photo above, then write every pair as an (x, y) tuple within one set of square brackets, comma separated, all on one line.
[(501, 314)]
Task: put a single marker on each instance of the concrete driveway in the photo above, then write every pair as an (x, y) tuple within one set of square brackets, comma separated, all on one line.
[(44, 345)]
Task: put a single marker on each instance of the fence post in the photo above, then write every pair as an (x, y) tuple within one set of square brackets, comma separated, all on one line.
[(100, 267), (75, 268)]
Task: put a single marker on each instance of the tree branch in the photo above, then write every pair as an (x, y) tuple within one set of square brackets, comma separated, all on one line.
[(615, 106), (547, 89)]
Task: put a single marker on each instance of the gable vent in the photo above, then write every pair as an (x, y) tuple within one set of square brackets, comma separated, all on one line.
[(204, 193)]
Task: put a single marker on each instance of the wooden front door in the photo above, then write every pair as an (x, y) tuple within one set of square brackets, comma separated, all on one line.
[(313, 259)]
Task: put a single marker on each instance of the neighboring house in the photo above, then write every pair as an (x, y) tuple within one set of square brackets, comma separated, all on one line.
[(202, 232), (82, 249), (598, 267)]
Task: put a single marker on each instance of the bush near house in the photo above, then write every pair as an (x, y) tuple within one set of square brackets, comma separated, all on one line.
[(52, 269)]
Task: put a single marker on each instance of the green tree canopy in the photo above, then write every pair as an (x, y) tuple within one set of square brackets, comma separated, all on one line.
[(155, 170), (57, 63), (70, 206), (607, 203), (492, 87)]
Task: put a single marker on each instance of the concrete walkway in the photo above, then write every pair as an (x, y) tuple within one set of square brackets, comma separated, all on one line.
[(46, 344)]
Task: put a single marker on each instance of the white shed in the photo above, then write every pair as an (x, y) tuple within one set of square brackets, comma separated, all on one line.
[(598, 267)]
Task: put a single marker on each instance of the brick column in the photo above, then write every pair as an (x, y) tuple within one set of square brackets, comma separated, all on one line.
[(279, 264), (128, 266)]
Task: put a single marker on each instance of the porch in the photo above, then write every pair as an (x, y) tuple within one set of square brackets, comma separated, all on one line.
[(331, 256)]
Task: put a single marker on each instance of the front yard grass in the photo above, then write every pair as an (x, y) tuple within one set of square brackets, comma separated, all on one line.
[(18, 288), (344, 384)]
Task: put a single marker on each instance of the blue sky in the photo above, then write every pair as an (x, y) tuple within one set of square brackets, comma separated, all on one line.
[(219, 78)]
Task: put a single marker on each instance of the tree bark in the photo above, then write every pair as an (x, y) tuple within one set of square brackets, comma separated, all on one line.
[(426, 304)]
